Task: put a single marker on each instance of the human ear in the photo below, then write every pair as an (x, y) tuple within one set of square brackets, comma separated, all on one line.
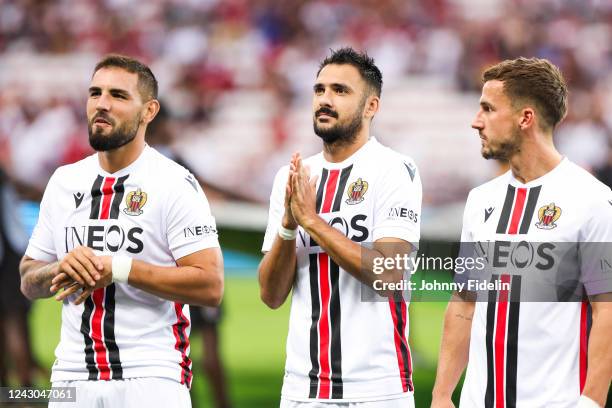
[(527, 118), (371, 107), (151, 108)]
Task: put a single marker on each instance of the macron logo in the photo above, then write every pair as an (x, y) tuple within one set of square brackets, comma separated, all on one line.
[(191, 180), (78, 198), (488, 212), (411, 170)]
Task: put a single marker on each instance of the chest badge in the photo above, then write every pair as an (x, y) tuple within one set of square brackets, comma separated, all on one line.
[(356, 191), (548, 214), (134, 202)]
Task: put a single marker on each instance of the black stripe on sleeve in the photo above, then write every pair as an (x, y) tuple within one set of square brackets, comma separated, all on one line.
[(491, 308), (344, 175), (322, 184), (119, 191), (336, 348), (314, 334), (532, 200), (90, 360), (505, 215), (512, 344), (96, 198), (109, 333)]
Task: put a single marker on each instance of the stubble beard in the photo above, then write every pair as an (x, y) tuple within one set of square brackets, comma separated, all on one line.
[(341, 133), (503, 150)]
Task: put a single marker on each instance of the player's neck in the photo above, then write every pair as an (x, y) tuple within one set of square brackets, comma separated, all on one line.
[(114, 160), (535, 159), (339, 152)]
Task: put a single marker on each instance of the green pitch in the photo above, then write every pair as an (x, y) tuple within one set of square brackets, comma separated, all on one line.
[(253, 345)]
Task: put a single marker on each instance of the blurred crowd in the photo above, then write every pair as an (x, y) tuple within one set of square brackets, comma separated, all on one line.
[(202, 50)]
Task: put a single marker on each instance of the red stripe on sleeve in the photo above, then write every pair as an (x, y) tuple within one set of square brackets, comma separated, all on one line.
[(324, 331), (96, 334), (330, 190), (519, 206)]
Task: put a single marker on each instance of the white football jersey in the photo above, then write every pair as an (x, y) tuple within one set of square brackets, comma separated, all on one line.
[(527, 353), (340, 347), (153, 211)]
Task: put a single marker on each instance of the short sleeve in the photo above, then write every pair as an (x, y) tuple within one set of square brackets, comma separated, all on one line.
[(277, 208), (467, 248), (41, 245), (190, 224), (397, 209), (596, 246), (466, 231)]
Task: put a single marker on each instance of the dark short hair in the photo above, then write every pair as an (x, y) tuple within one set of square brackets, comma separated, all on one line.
[(364, 64), (147, 84), (533, 80)]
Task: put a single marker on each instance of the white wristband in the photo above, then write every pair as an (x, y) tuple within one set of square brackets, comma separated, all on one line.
[(586, 402), (121, 267), (287, 234)]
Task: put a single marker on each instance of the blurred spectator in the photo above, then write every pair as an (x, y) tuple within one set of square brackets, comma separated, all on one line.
[(15, 346), (239, 71)]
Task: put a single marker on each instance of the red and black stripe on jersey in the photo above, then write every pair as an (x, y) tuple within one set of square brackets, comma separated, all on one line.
[(399, 314), (504, 306), (98, 319), (325, 342), (106, 196), (502, 343), (179, 329), (515, 212), (325, 348)]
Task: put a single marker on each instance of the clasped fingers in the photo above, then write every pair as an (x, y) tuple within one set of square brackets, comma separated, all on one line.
[(81, 265)]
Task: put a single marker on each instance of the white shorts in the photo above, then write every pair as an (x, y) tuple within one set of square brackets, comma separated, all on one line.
[(128, 393), (403, 402)]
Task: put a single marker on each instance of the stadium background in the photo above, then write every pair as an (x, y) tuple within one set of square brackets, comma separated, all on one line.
[(235, 79)]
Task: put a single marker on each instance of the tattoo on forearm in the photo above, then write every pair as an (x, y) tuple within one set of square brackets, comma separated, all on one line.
[(461, 316), (39, 280)]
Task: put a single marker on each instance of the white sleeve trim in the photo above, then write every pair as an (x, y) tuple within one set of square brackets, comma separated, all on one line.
[(407, 234), (192, 247), (40, 254)]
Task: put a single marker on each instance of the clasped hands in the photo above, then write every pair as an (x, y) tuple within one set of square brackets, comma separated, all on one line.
[(300, 195), (82, 269)]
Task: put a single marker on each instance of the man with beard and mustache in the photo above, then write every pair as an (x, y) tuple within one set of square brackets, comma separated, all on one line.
[(125, 239), (346, 345), (522, 351)]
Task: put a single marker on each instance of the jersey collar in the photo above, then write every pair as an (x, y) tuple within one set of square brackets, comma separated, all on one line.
[(352, 158), (542, 179), (126, 170)]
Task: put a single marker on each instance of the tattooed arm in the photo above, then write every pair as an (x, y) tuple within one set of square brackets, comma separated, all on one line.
[(454, 349)]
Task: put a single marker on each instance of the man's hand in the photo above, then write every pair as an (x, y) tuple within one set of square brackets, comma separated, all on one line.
[(81, 265), (71, 286), (289, 221), (303, 192)]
